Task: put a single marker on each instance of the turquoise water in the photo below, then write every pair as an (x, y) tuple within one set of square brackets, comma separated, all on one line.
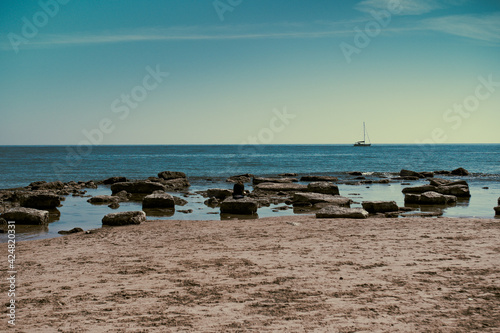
[(207, 166)]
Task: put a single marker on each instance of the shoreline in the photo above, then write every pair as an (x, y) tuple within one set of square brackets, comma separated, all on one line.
[(290, 273)]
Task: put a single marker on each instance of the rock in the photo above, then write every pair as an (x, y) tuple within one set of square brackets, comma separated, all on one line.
[(289, 174), (412, 198), (380, 206), (179, 201), (103, 200), (305, 199), (323, 187), (382, 181), (409, 173), (113, 180), (212, 202), (29, 216), (57, 185), (318, 179), (185, 211), (407, 178), (355, 173), (285, 187), (145, 187), (72, 231), (260, 180), (245, 206), (176, 184), (122, 195), (427, 174), (124, 218), (460, 172), (498, 201), (167, 175), (162, 200), (114, 205), (420, 189), (439, 181), (246, 178), (442, 172), (342, 212), (219, 193), (40, 200), (456, 190), (497, 210), (430, 198), (360, 178)]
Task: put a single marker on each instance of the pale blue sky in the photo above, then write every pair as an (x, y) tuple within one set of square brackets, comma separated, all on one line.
[(408, 81)]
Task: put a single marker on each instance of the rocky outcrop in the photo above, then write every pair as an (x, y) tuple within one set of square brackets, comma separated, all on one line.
[(124, 218), (245, 178), (167, 175), (458, 188), (42, 185), (28, 216), (285, 187), (341, 212), (430, 198), (318, 179), (409, 173), (103, 199), (323, 187), (158, 200), (40, 200), (260, 180), (459, 172), (307, 199), (113, 180), (219, 193), (245, 206), (380, 206), (144, 187)]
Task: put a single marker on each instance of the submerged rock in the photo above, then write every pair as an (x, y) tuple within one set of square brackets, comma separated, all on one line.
[(245, 206), (28, 216), (380, 206), (342, 212), (124, 218)]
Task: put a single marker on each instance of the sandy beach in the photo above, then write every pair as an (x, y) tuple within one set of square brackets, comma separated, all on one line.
[(293, 274)]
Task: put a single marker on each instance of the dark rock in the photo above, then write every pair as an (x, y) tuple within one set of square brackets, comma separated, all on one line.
[(137, 187), (113, 180), (245, 206), (289, 174), (360, 178), (498, 201), (122, 195), (442, 172), (420, 189), (212, 202), (57, 185), (382, 181), (433, 198), (318, 179), (412, 198), (260, 180), (219, 193), (380, 206), (456, 190), (185, 211), (460, 172), (342, 212), (167, 175), (246, 178), (72, 231), (406, 173), (355, 173), (427, 174), (124, 218), (497, 210), (114, 205), (103, 199), (176, 184), (161, 200), (285, 187), (40, 200), (305, 199), (323, 187), (439, 181), (28, 216), (179, 201)]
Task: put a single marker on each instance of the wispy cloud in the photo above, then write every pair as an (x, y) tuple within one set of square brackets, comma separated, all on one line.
[(478, 27), (405, 7)]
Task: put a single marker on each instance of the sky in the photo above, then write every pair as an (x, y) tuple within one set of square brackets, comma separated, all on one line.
[(249, 71)]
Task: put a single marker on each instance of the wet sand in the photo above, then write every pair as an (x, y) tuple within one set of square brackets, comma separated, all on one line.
[(292, 273)]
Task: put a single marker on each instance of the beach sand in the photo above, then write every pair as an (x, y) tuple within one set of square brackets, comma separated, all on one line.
[(293, 274)]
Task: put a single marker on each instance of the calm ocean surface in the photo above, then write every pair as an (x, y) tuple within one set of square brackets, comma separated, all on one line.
[(207, 166)]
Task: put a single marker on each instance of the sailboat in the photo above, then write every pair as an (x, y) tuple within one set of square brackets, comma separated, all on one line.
[(363, 142)]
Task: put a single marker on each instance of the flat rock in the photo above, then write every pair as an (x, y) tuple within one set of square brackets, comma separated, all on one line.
[(219, 193), (103, 199), (430, 198), (167, 175), (57, 185), (323, 187), (113, 180), (409, 173), (245, 178), (40, 200), (456, 190), (380, 206), (260, 180), (124, 218), (29, 216), (158, 200), (285, 187), (342, 212), (305, 199), (145, 187), (420, 189), (244, 206), (313, 178)]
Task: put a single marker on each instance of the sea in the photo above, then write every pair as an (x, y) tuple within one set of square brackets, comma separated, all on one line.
[(208, 166)]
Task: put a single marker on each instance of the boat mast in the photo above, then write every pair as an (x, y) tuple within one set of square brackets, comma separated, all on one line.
[(364, 132)]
